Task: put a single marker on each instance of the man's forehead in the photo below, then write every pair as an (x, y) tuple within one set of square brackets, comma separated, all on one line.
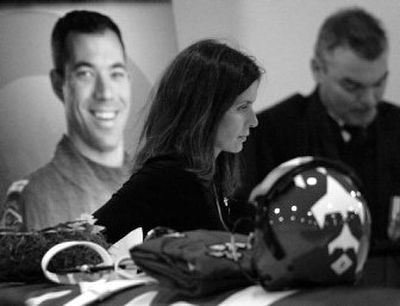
[(88, 48), (346, 63), (76, 39), (347, 55)]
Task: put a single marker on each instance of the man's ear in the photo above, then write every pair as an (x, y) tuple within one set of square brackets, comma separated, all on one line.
[(57, 81), (316, 69)]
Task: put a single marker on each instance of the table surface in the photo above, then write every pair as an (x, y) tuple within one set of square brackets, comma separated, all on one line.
[(47, 294)]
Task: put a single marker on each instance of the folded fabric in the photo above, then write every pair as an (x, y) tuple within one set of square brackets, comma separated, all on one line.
[(197, 263)]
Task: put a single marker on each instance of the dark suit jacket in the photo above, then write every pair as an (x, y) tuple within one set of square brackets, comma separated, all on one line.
[(300, 126)]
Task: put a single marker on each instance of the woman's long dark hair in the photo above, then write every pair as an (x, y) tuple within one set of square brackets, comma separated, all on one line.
[(195, 91)]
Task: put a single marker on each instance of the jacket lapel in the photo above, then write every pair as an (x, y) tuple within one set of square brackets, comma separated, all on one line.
[(320, 130)]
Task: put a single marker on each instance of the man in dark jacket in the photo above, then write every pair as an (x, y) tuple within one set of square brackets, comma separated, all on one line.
[(344, 119)]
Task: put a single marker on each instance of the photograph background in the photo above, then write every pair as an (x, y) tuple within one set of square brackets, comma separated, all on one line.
[(279, 33)]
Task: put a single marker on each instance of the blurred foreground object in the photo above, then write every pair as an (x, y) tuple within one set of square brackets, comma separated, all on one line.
[(22, 252), (312, 225), (195, 263)]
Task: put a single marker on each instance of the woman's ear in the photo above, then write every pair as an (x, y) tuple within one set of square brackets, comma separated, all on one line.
[(57, 81)]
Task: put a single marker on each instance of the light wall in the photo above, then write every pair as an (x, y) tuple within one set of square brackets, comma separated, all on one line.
[(281, 34)]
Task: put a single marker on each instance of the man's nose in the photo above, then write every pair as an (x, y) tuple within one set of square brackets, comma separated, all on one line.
[(103, 88), (369, 97)]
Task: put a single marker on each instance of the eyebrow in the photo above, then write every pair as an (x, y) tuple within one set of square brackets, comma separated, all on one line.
[(247, 102), (118, 65), (89, 65), (356, 83)]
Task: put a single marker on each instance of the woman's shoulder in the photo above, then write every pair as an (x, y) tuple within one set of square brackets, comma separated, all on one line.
[(165, 169), (162, 178)]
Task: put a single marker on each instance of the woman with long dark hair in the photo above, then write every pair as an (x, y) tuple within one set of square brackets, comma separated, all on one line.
[(185, 168)]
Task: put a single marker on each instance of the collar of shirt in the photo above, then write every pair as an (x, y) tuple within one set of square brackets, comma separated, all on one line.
[(346, 135)]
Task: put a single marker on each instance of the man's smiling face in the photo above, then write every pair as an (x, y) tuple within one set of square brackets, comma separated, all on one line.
[(96, 90)]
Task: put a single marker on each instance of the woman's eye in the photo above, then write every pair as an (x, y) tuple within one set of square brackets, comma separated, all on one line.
[(243, 106)]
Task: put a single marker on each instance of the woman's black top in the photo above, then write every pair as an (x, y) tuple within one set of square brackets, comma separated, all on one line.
[(162, 193)]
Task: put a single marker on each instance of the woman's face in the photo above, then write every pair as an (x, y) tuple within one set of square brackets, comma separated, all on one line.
[(236, 122)]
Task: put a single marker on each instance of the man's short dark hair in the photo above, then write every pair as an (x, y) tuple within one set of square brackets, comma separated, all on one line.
[(78, 21), (354, 28)]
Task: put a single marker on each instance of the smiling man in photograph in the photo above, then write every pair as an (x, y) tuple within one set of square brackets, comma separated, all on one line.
[(91, 79)]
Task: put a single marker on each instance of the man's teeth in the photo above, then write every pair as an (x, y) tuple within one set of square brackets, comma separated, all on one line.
[(105, 115)]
